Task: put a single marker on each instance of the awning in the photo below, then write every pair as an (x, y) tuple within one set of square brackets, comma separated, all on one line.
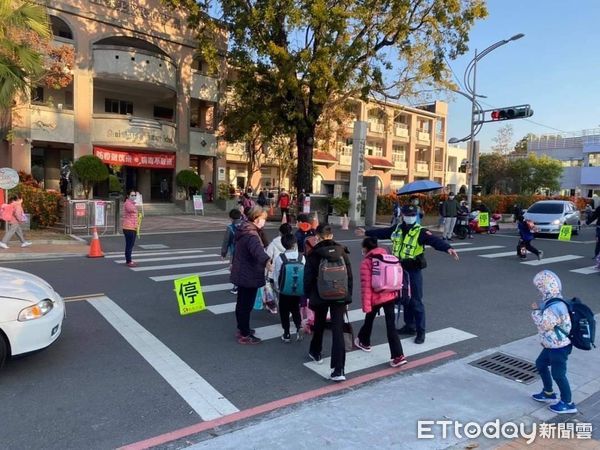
[(324, 157), (379, 163), (122, 157)]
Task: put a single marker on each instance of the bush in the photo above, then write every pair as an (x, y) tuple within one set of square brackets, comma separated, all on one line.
[(223, 191), (44, 206), (90, 170), (341, 205), (114, 184), (188, 179)]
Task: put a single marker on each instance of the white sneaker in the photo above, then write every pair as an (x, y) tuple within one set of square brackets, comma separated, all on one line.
[(26, 244), (3, 245)]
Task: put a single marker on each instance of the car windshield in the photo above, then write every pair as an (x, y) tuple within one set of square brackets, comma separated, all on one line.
[(546, 208)]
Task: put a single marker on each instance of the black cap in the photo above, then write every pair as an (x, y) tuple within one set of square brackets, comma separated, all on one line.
[(408, 210)]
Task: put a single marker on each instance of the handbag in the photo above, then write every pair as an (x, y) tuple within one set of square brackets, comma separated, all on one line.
[(258, 301), (348, 334)]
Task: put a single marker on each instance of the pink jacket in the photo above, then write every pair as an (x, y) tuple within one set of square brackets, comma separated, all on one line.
[(370, 298), (130, 215)]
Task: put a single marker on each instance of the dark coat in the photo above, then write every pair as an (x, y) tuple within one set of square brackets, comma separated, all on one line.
[(311, 271), (249, 259)]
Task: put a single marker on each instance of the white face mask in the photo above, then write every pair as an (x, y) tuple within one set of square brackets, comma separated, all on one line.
[(451, 197), (409, 220), (260, 223)]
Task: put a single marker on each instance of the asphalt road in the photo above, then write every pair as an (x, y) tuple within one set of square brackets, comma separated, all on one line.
[(94, 388)]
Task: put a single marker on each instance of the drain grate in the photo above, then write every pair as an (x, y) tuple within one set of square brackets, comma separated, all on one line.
[(508, 366)]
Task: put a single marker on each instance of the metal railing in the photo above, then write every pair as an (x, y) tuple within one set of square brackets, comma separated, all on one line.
[(82, 215)]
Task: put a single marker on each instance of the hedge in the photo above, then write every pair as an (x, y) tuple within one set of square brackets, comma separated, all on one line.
[(44, 206)]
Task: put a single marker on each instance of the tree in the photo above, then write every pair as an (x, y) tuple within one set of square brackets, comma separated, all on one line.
[(22, 25), (503, 140), (492, 171), (90, 170), (188, 179), (313, 54), (533, 174), (521, 145)]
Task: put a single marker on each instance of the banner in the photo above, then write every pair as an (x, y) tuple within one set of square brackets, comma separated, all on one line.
[(99, 214), (136, 159)]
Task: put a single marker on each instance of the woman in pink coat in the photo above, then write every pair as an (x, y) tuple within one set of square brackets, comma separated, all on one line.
[(130, 223), (373, 301)]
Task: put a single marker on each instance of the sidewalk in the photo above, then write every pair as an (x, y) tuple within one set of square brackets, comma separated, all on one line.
[(385, 414)]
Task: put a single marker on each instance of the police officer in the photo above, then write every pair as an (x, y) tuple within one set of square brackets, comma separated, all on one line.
[(595, 216), (408, 244)]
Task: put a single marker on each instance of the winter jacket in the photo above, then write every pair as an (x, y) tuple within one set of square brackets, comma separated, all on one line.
[(274, 250), (130, 215), (311, 270), (249, 259), (525, 231), (228, 244), (547, 318), (302, 234), (369, 297), (450, 208), (8, 213)]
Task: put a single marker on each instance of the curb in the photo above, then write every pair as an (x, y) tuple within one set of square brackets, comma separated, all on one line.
[(35, 256)]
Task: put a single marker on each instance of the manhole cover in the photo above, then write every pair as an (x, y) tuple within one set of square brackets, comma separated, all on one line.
[(508, 366)]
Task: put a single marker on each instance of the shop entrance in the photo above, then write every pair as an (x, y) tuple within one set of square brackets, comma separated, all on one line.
[(161, 185)]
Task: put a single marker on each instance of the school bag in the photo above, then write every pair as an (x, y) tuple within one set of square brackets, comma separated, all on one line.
[(386, 273), (332, 279), (231, 247), (4, 212), (521, 249), (583, 323), (310, 243), (291, 280)]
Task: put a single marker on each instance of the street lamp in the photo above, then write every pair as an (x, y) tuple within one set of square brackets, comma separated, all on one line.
[(476, 109)]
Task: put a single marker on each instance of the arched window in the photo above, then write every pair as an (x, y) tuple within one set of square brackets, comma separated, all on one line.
[(125, 41), (60, 28)]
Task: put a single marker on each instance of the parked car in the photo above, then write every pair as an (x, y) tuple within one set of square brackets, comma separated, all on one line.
[(549, 215), (31, 313)]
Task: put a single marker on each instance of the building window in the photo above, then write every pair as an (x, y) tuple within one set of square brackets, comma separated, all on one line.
[(423, 125), (452, 164), (114, 106), (342, 176), (594, 160), (37, 94), (69, 99), (344, 149), (160, 112), (399, 153), (373, 149)]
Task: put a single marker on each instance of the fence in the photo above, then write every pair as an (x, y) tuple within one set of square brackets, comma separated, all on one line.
[(82, 215)]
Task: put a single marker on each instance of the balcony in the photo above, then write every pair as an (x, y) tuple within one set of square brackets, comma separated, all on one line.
[(422, 167), (202, 143), (438, 166), (204, 87), (400, 165), (423, 136), (376, 127), (130, 131), (236, 152), (345, 160), (401, 130), (52, 124), (439, 137), (134, 64)]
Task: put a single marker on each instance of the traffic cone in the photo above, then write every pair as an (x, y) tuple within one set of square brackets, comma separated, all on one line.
[(271, 211), (315, 222), (283, 218), (95, 248), (345, 222)]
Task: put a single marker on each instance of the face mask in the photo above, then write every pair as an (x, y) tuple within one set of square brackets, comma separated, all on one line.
[(451, 197), (409, 220), (132, 197), (415, 202), (260, 223)]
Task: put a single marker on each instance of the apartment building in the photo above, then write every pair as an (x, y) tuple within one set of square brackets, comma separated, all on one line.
[(140, 98), (455, 180), (579, 154), (403, 144)]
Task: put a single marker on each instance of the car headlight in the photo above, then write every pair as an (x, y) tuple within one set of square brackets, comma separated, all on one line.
[(36, 311), (556, 222)]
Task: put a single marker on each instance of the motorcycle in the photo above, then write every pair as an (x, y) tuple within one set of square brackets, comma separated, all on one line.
[(491, 229), (461, 229)]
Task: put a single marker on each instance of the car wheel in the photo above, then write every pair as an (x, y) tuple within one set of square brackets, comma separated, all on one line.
[(3, 349), (577, 228)]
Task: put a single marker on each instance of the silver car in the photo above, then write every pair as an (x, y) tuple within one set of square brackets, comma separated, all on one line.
[(549, 215)]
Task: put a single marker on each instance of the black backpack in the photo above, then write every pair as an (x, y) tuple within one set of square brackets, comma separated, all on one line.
[(332, 279), (583, 323)]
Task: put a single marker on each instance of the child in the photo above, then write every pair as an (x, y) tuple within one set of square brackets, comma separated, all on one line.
[(228, 244), (373, 301), (526, 233), (304, 231), (288, 303), (276, 248), (553, 322), (13, 214)]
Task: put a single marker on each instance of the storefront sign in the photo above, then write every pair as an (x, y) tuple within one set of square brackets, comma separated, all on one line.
[(135, 159), (198, 203), (9, 178)]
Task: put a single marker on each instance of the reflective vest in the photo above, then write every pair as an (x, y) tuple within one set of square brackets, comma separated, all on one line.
[(407, 246)]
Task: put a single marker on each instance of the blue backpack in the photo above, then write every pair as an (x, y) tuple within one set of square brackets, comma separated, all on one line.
[(231, 246), (291, 280), (583, 323)]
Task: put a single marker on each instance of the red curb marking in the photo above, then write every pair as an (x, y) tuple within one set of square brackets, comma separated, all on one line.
[(267, 407)]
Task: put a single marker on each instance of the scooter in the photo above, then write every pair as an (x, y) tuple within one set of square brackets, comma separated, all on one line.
[(491, 229), (461, 229)]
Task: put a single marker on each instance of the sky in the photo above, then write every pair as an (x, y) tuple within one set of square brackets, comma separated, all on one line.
[(555, 68)]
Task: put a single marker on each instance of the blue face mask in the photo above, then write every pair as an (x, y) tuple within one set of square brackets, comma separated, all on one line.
[(409, 220)]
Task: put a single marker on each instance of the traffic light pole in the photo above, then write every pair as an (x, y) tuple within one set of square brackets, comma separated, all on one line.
[(472, 147)]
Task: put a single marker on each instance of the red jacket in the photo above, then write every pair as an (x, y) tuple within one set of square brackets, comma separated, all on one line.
[(370, 298)]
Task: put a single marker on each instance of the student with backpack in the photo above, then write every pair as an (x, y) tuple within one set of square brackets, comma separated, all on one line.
[(304, 231), (289, 274), (14, 216), (228, 244), (328, 286), (552, 319), (380, 281), (276, 248), (526, 237)]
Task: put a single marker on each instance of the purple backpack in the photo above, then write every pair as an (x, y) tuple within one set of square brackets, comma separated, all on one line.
[(386, 273)]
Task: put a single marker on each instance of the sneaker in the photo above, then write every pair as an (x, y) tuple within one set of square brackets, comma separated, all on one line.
[(249, 340), (398, 361), (239, 335), (25, 244), (420, 339), (131, 264), (316, 358), (337, 376), (407, 330), (450, 239), (563, 408), (540, 255), (285, 337), (363, 347), (234, 291), (471, 237), (545, 397), (299, 334), (271, 307), (3, 245)]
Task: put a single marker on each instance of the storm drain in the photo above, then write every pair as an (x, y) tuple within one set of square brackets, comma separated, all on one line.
[(507, 366)]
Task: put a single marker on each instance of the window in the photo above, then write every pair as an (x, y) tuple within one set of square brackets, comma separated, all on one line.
[(373, 149), (37, 94), (69, 99), (594, 160), (344, 149), (118, 106), (161, 112), (452, 164), (399, 153), (546, 208)]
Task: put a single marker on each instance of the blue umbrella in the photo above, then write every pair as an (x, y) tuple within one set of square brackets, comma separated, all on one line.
[(419, 186)]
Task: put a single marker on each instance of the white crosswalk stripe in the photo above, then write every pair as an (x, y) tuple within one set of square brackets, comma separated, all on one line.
[(500, 255), (587, 270), (170, 258), (179, 266), (164, 252), (210, 273), (555, 259), (475, 249)]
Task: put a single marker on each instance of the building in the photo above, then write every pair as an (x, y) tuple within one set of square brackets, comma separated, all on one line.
[(140, 99), (403, 144), (579, 154), (454, 180)]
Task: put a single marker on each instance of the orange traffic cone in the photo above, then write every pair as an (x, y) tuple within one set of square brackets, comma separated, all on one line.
[(345, 222), (271, 211), (315, 222), (283, 218), (95, 248)]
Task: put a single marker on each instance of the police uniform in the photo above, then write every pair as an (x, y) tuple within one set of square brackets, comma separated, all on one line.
[(408, 244), (595, 216)]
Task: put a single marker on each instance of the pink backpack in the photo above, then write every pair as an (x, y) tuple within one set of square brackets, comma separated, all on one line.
[(386, 273), (6, 212)]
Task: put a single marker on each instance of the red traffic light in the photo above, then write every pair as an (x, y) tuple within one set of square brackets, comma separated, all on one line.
[(514, 112), (495, 115)]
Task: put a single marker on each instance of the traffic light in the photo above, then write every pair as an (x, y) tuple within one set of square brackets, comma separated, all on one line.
[(513, 112)]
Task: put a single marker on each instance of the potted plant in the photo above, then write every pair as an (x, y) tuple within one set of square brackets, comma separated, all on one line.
[(340, 206), (189, 181), (89, 169)]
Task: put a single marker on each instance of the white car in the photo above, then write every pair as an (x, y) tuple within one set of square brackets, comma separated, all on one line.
[(31, 313), (549, 215)]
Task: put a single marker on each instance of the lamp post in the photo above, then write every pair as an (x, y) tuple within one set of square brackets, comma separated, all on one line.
[(476, 110)]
